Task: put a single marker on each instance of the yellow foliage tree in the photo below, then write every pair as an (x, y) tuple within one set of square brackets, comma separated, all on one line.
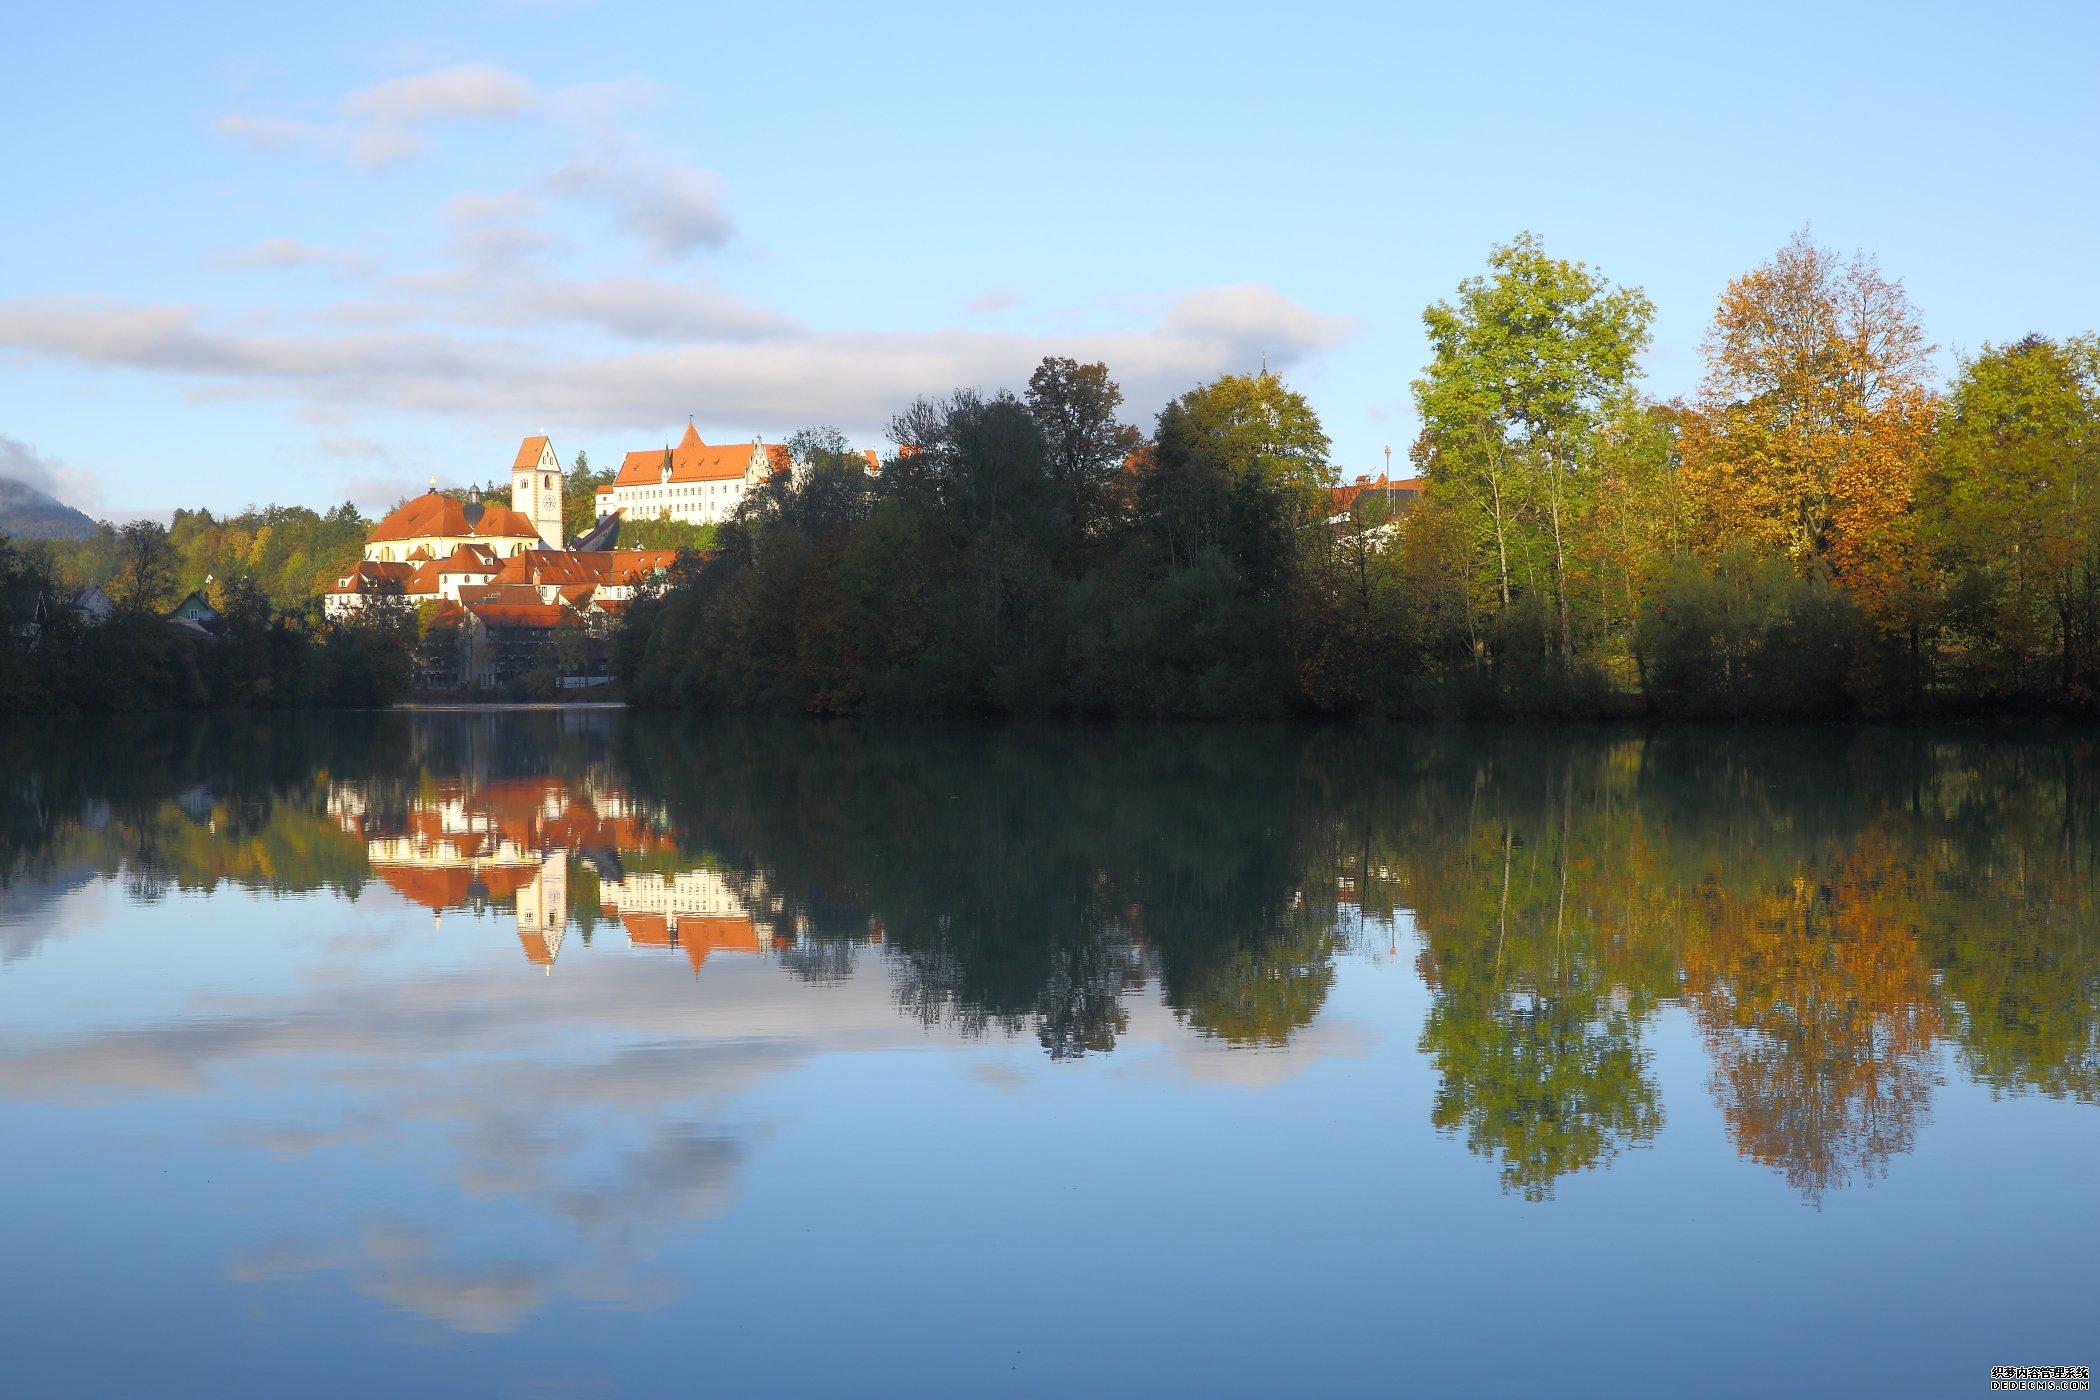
[(1813, 420)]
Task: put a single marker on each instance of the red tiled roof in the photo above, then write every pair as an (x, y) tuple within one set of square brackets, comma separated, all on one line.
[(647, 930), (701, 936), (435, 514), (503, 523), (441, 888), (528, 454), (469, 559), (541, 615), (694, 460), (503, 881)]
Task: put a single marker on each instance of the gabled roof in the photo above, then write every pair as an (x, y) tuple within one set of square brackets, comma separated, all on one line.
[(693, 460), (435, 514), (529, 454), (470, 559), (375, 576)]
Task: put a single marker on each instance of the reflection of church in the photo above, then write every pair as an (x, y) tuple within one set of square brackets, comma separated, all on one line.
[(513, 841)]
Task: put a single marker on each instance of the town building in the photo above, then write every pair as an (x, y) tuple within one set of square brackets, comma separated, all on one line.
[(529, 843), (501, 576)]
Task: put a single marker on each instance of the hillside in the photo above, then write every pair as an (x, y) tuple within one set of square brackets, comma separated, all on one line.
[(27, 513)]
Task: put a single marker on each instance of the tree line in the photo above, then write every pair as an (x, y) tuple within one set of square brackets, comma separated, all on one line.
[(1820, 529), (264, 649)]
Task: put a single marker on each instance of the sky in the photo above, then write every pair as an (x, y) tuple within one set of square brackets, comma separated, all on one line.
[(295, 255)]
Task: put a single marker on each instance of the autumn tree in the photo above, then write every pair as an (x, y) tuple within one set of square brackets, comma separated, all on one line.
[(1811, 421), (145, 567)]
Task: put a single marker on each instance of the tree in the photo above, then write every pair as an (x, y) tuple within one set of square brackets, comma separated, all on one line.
[(1075, 405), (1806, 429), (2014, 514), (144, 580), (1237, 467), (579, 496), (1522, 368)]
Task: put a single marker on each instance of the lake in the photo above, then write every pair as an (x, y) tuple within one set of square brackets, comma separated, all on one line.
[(582, 1053)]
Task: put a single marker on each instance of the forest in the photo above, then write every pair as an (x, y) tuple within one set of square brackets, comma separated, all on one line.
[(1820, 530), (271, 648)]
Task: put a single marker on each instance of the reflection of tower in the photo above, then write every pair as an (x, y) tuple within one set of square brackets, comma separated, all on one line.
[(543, 910)]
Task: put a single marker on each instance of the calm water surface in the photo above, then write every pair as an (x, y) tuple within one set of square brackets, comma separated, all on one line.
[(585, 1053)]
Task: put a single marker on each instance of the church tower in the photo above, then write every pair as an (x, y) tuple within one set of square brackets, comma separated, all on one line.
[(535, 489)]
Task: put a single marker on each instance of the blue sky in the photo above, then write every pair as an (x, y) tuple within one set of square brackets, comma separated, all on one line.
[(275, 255)]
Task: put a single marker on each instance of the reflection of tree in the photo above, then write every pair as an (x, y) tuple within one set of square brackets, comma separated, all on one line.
[(1826, 906), (1819, 1014), (1536, 1043), (1031, 883)]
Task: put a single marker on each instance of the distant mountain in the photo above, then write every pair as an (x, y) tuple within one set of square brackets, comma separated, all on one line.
[(27, 513)]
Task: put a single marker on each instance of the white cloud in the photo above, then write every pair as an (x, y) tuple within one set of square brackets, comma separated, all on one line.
[(991, 303), (1247, 313), (273, 136), (278, 254), (748, 365), (383, 124), (464, 90), (673, 209)]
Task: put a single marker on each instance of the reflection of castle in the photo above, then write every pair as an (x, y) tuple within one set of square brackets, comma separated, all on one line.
[(513, 840), (504, 841), (691, 909)]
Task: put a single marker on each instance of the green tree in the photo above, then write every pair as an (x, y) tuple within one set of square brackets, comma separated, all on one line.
[(1076, 407), (2014, 514), (1523, 370)]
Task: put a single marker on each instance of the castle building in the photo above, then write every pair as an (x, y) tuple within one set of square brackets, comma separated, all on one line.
[(692, 482), (695, 483)]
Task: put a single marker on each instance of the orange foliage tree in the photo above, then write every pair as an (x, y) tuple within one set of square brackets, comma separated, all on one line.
[(1813, 421)]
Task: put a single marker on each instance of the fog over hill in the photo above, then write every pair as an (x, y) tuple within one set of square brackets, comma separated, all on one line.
[(27, 513)]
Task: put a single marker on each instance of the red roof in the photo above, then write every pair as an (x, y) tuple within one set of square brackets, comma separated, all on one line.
[(694, 460), (469, 559), (528, 454), (1341, 498), (521, 614), (435, 514), (503, 881), (647, 930), (433, 888), (503, 523), (700, 936)]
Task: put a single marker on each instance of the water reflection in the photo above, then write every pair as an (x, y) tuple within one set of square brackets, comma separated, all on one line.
[(1844, 921)]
